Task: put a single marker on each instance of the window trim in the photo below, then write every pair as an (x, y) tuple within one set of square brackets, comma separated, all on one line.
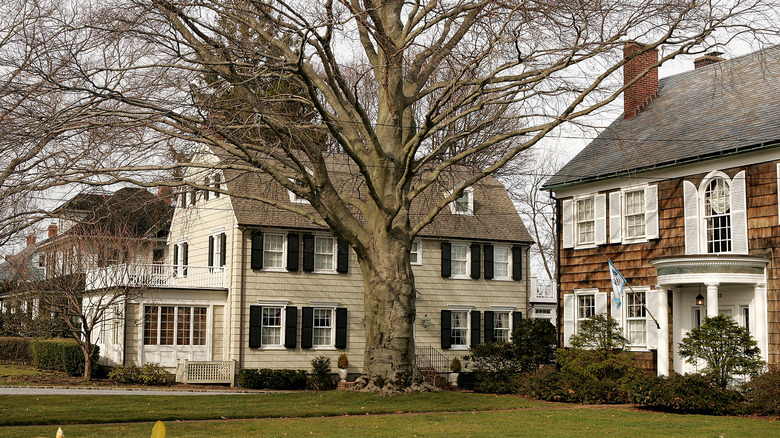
[(283, 267), (282, 305), (334, 254), (294, 198), (624, 214), (580, 293), (158, 325), (624, 314), (702, 207), (461, 308), (468, 192), (509, 263), (418, 252), (467, 275), (576, 221), (330, 307)]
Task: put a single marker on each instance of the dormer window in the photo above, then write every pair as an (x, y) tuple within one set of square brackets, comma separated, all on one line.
[(294, 198), (465, 203)]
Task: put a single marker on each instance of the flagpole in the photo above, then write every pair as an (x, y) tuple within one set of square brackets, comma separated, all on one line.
[(658, 326)]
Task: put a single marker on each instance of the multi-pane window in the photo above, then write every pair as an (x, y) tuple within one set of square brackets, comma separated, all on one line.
[(717, 216), (170, 325), (323, 253), (459, 327), (636, 322), (635, 214), (586, 221), (459, 260), (273, 251), (271, 331), (501, 262), (415, 256), (586, 307), (322, 335), (501, 326)]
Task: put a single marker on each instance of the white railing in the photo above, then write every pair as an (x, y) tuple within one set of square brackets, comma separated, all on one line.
[(158, 276), (206, 372), (543, 292)]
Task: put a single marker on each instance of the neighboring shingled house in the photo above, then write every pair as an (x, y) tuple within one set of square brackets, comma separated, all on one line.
[(265, 288), (681, 193)]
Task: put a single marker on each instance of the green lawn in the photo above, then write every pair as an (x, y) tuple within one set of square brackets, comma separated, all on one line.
[(345, 414), (19, 370)]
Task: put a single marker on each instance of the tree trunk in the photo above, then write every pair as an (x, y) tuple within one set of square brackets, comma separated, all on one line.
[(86, 349), (389, 302)]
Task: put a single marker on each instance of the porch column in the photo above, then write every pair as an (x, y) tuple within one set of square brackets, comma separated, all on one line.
[(677, 324), (759, 324), (712, 299), (663, 332)]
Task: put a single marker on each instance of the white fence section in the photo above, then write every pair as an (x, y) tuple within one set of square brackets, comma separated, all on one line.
[(543, 291), (206, 372), (158, 276)]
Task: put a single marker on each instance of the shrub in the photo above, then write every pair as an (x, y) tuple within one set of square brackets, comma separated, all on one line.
[(343, 361), (455, 365), (600, 333), (690, 393), (763, 393), (321, 376), (534, 341), (272, 379), (155, 374), (727, 348), (15, 350), (125, 374), (467, 380), (61, 355)]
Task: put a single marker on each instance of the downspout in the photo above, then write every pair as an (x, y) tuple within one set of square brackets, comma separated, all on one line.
[(242, 287), (559, 298)]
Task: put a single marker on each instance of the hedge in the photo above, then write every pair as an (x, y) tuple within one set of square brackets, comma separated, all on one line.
[(15, 350), (272, 379), (61, 355)]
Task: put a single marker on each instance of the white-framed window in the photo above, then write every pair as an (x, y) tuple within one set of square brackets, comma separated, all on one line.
[(323, 328), (634, 220), (716, 215), (585, 221), (324, 253), (545, 314), (633, 214), (415, 253), (175, 325), (460, 260), (271, 332), (294, 198), (459, 328), (273, 251), (635, 317), (502, 263), (586, 307), (502, 326), (465, 203)]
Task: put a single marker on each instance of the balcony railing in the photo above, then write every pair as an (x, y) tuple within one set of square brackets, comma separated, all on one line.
[(543, 293), (156, 276)]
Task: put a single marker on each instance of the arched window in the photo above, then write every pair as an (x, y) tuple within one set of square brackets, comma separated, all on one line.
[(717, 215)]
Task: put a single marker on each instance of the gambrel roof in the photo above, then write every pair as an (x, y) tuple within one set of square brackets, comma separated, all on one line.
[(495, 217), (721, 109)]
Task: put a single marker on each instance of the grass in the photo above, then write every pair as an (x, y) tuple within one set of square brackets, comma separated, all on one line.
[(19, 370), (534, 420), (33, 410)]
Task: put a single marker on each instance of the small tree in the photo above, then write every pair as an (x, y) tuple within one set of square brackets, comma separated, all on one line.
[(535, 342), (727, 348), (600, 333)]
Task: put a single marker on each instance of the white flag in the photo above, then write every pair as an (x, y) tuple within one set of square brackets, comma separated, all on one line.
[(618, 281)]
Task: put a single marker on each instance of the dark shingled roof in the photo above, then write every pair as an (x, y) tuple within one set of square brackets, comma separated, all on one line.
[(495, 217), (724, 108)]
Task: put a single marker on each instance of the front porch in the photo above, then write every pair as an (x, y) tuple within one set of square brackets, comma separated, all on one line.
[(706, 286)]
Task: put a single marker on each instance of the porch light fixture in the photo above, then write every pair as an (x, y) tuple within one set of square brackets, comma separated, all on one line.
[(699, 300), (426, 322)]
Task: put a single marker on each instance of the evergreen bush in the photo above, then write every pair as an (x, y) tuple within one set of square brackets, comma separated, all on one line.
[(763, 393), (61, 355), (689, 393), (15, 350), (321, 377)]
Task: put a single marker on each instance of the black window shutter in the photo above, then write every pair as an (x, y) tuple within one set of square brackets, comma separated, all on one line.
[(293, 248), (255, 325), (342, 258), (446, 260), (185, 257), (475, 328), (488, 250), (307, 326), (223, 249), (206, 192), (476, 260), (308, 252), (217, 180), (516, 318), (290, 327), (517, 263), (490, 333), (211, 250), (257, 250), (341, 327), (446, 329), (175, 259)]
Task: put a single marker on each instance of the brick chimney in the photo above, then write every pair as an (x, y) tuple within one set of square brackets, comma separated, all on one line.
[(52, 231), (165, 193), (708, 59), (637, 96), (31, 240)]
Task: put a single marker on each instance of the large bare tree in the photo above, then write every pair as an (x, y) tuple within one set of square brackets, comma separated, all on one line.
[(408, 90)]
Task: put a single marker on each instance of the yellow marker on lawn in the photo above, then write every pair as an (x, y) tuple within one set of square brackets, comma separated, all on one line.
[(158, 431)]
